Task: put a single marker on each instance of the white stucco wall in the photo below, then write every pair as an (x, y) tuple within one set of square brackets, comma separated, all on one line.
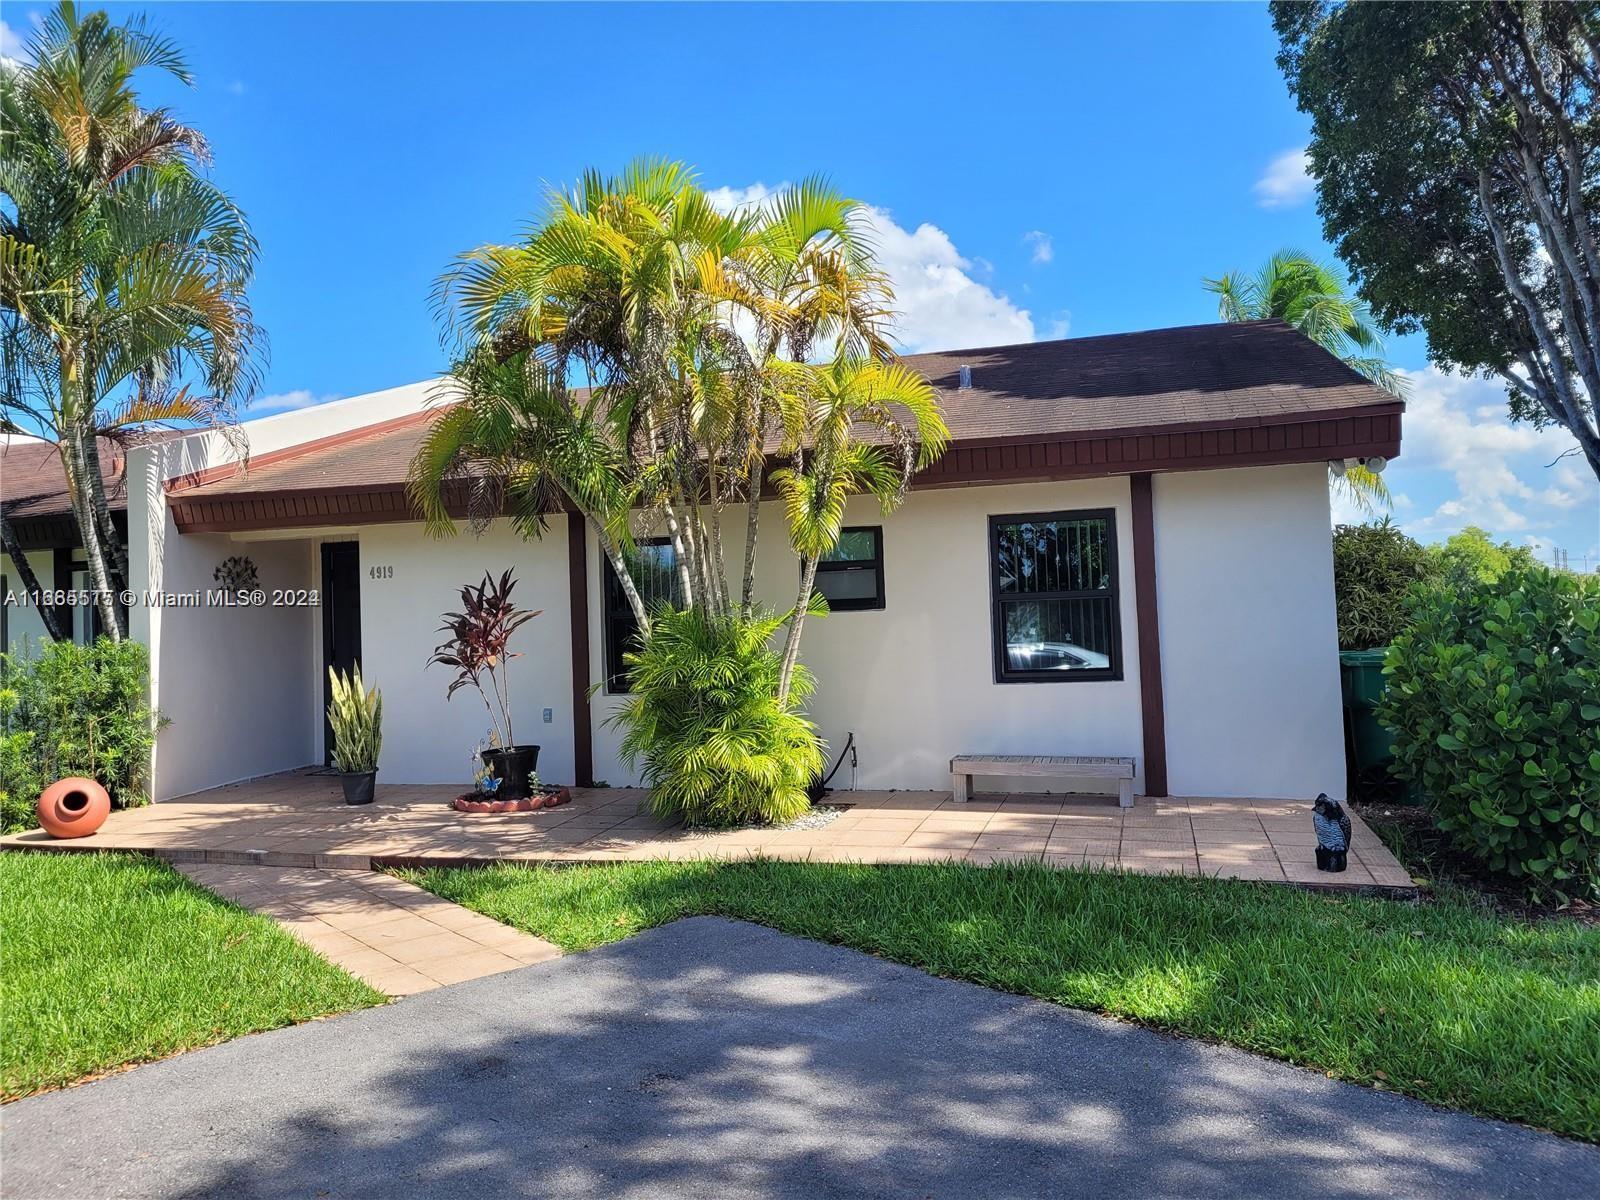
[(425, 739), (1247, 626), (264, 435), (1249, 644), (24, 627), (233, 682), (915, 680)]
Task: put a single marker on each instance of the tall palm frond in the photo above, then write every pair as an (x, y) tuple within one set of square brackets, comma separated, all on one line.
[(1310, 296), (853, 426), (1294, 288)]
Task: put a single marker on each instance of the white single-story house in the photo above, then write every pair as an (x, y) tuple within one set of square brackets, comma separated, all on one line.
[(1124, 552)]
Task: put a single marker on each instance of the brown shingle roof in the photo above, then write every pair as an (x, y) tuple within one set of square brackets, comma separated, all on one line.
[(32, 484), (376, 455), (1159, 379), (1196, 376)]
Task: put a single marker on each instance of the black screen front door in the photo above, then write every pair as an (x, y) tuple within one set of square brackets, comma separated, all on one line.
[(341, 622)]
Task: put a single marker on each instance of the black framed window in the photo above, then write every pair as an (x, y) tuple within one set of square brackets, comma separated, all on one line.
[(851, 576), (1054, 581), (653, 563)]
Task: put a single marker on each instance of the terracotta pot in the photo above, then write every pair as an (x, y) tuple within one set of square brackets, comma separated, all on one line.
[(74, 807)]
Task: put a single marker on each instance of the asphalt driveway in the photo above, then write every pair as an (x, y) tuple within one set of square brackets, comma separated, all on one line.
[(711, 1057)]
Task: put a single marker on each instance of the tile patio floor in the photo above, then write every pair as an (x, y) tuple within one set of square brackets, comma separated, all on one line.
[(397, 937), (299, 820)]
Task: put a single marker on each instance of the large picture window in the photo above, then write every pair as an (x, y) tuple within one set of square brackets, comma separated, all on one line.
[(654, 566), (851, 576), (1056, 616)]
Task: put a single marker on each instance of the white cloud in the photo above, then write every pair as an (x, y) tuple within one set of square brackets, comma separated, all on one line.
[(1502, 474), (1286, 182), (1060, 325), (1042, 245), (289, 401), (12, 47), (940, 305), (236, 87)]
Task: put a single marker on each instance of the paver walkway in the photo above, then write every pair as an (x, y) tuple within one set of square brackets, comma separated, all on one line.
[(715, 1058), (298, 819), (397, 937)]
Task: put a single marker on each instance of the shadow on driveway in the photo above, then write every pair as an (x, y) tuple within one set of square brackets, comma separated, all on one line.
[(715, 1057)]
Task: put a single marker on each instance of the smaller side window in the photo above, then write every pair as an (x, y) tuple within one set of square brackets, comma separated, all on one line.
[(654, 566), (851, 576)]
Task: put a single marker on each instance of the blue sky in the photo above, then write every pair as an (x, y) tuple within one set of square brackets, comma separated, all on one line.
[(1038, 171)]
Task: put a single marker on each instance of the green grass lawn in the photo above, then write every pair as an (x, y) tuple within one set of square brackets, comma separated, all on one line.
[(1443, 1001), (110, 959)]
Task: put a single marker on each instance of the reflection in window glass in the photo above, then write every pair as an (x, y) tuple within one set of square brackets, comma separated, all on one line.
[(654, 567), (1056, 611), (851, 577)]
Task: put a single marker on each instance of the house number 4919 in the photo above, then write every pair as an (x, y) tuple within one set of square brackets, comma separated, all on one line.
[(380, 572)]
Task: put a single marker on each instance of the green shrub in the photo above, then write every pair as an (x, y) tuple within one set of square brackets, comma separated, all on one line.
[(1494, 700), (76, 710), (1373, 568), (20, 782), (704, 718)]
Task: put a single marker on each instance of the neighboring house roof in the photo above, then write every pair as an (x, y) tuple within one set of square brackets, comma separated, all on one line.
[(1165, 399), (32, 484), (33, 490)]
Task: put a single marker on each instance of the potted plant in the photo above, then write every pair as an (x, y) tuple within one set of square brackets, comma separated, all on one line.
[(357, 719), (477, 647)]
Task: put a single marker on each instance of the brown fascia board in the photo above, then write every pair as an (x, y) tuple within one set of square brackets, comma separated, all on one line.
[(50, 532), (1309, 438), (1397, 407), (1298, 437)]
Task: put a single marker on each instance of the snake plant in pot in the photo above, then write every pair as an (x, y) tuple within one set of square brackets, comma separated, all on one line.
[(356, 715)]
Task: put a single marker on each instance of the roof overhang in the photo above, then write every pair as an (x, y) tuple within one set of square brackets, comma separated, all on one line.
[(1246, 442)]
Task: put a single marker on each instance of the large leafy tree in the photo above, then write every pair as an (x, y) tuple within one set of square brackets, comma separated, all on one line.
[(122, 268), (1294, 288), (1455, 146), (1472, 556)]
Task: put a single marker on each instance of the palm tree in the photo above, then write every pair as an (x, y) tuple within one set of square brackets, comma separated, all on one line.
[(122, 270), (512, 438), (807, 278), (1294, 288), (846, 433), (677, 316), (611, 286)]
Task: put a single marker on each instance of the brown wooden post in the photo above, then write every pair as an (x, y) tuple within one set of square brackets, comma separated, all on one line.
[(1151, 704), (578, 601)]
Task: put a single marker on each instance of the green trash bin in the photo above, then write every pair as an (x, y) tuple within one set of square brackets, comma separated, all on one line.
[(1361, 674)]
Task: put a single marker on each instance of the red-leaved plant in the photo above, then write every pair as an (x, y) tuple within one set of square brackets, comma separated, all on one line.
[(477, 647)]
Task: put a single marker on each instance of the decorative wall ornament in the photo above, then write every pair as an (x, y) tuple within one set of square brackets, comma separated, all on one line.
[(237, 574)]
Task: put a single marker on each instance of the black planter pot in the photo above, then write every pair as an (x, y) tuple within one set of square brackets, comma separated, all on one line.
[(512, 766), (358, 786)]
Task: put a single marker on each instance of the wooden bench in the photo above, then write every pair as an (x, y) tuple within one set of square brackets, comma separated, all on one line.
[(1057, 766)]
